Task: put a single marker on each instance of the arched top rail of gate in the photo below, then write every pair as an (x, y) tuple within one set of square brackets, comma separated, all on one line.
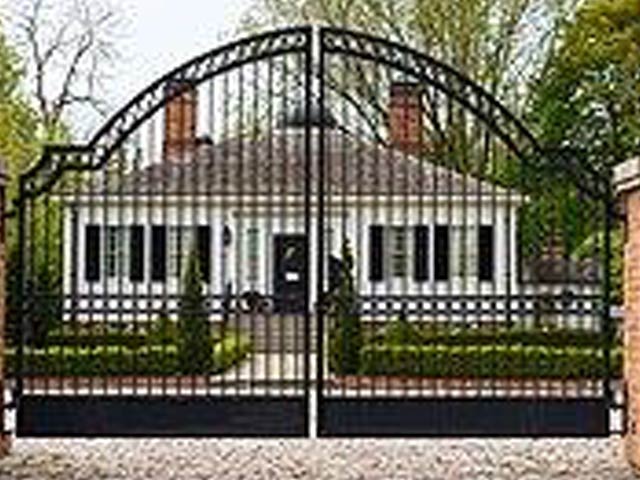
[(422, 67)]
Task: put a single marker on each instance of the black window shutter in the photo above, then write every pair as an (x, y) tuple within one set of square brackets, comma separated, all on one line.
[(376, 252), (136, 253), (441, 253), (158, 253), (485, 253), (92, 253), (421, 253), (204, 251)]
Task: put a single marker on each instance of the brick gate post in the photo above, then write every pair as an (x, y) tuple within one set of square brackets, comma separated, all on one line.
[(627, 184), (5, 437)]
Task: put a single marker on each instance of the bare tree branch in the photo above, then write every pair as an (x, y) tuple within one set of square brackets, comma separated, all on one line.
[(70, 46)]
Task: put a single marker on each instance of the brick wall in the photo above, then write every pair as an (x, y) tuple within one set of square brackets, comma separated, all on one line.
[(627, 182), (632, 326)]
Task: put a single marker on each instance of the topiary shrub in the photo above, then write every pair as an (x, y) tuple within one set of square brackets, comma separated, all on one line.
[(194, 340), (345, 333)]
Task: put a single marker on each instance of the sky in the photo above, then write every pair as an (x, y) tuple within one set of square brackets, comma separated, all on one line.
[(162, 34)]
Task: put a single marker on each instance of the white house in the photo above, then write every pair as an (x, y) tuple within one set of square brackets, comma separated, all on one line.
[(418, 232)]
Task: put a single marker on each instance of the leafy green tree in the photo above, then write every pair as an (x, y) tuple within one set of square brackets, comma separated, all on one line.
[(345, 335), (499, 43), (19, 146), (588, 96), (588, 101), (53, 66), (194, 336)]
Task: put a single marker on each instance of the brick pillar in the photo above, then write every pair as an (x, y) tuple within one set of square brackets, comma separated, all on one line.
[(627, 184), (5, 438)]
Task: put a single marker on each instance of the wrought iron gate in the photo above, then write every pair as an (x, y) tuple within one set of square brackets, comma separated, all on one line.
[(271, 232)]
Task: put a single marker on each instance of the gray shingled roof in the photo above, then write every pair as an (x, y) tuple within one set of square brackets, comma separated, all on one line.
[(275, 164)]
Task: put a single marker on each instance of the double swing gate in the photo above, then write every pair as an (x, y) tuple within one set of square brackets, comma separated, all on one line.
[(312, 232)]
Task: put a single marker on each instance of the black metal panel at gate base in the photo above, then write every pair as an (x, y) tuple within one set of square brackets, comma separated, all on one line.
[(260, 226), (138, 416), (421, 417)]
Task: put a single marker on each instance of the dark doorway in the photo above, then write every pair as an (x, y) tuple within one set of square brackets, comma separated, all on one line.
[(290, 273)]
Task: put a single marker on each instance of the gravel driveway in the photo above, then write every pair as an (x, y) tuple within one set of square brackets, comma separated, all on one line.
[(316, 459)]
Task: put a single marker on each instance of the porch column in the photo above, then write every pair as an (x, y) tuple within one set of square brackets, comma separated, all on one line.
[(627, 185), (5, 437)]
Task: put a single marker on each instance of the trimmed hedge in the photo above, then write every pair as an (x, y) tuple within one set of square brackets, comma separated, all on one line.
[(96, 339), (118, 360), (405, 333), (481, 361)]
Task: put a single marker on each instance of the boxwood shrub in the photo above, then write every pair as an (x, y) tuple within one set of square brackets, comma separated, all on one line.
[(483, 361), (86, 338), (402, 332), (106, 360)]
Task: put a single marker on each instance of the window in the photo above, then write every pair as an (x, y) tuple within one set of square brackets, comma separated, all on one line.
[(92, 253), (485, 253), (253, 254), (115, 251), (376, 249), (421, 253), (158, 253), (464, 252), (398, 251), (171, 247), (181, 243), (136, 253), (441, 253)]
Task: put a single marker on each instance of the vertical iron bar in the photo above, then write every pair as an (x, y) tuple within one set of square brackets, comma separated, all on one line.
[(320, 301), (307, 224), (606, 296), (20, 330)]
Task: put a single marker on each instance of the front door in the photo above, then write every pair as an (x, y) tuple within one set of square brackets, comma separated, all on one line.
[(290, 273)]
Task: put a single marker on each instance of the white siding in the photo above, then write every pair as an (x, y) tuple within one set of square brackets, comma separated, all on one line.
[(230, 264)]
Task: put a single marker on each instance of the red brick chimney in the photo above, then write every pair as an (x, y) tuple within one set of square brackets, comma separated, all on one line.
[(180, 122), (405, 117)]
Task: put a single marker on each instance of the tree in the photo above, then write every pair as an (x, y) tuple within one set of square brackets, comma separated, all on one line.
[(19, 145), (588, 101), (499, 43), (70, 47), (588, 97), (345, 335), (18, 121), (194, 336), (67, 48)]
